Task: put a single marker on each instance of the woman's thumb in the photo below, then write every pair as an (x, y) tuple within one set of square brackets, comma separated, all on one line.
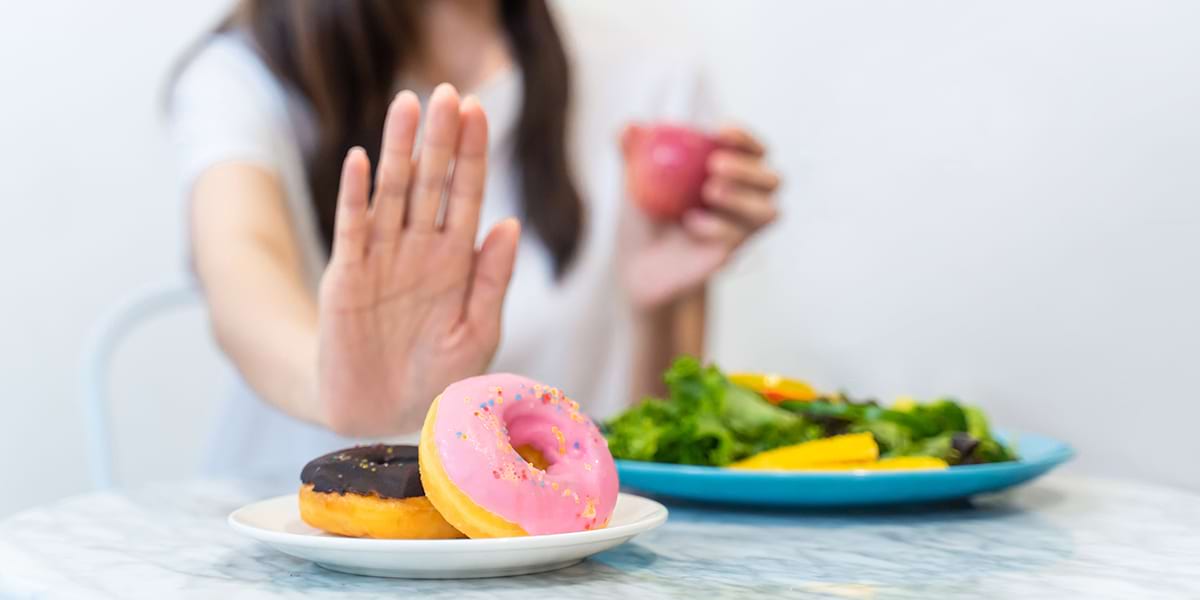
[(493, 270)]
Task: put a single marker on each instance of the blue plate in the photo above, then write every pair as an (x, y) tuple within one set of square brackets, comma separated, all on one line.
[(1038, 455)]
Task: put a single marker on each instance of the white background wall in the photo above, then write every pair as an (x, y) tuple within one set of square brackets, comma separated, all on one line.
[(998, 200)]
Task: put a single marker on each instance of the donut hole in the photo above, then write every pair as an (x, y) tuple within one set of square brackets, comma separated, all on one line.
[(533, 456), (539, 439)]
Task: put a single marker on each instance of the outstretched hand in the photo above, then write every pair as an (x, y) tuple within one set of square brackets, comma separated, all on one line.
[(408, 304)]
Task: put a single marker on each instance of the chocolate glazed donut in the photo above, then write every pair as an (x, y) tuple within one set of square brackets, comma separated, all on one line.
[(386, 471), (370, 491)]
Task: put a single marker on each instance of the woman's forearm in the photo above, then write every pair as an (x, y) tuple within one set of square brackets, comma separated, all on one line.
[(269, 335), (690, 327), (248, 261), (662, 334)]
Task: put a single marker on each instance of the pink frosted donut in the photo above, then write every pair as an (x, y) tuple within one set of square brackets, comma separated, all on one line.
[(474, 476)]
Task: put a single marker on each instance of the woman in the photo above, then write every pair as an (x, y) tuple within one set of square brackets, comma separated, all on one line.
[(347, 300)]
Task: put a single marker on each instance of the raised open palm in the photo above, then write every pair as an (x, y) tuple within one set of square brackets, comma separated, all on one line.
[(408, 304)]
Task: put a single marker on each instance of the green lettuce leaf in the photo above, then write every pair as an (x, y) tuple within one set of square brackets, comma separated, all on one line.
[(706, 420)]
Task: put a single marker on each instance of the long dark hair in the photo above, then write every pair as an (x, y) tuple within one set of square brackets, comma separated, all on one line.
[(343, 57)]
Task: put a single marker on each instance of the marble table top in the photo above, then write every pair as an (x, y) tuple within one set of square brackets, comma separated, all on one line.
[(1059, 538)]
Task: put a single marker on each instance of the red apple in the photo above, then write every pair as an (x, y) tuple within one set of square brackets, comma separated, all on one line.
[(667, 166)]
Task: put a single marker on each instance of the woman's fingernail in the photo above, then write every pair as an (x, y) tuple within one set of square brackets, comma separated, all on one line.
[(711, 190), (697, 217), (716, 161), (445, 88)]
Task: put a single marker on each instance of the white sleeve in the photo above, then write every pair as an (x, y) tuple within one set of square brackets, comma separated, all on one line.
[(223, 108)]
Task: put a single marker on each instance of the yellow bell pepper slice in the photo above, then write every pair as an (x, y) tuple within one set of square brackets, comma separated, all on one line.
[(904, 404), (908, 463), (775, 388), (899, 463), (849, 448)]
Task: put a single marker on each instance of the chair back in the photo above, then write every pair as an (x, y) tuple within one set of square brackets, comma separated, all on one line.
[(128, 317)]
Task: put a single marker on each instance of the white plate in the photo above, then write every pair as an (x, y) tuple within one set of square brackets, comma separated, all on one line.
[(277, 522)]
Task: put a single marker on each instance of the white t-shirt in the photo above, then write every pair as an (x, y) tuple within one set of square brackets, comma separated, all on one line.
[(574, 333)]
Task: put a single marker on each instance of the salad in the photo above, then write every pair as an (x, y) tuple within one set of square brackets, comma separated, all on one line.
[(766, 422)]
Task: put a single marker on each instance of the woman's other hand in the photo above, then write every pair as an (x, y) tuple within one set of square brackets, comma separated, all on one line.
[(671, 260), (408, 304)]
